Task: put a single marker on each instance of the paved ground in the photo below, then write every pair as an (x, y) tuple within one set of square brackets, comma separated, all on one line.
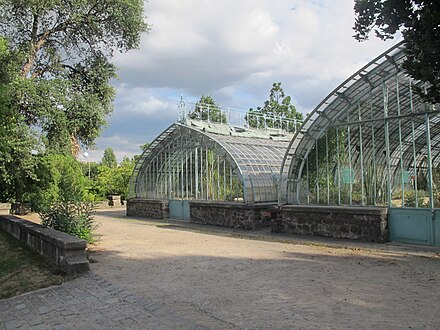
[(89, 302), (153, 275)]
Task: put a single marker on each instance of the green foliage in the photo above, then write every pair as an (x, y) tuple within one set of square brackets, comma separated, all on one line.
[(92, 166), (419, 22), (63, 201), (114, 180), (63, 51), (109, 158), (18, 142), (206, 108), (410, 198), (278, 106), (61, 181), (71, 217)]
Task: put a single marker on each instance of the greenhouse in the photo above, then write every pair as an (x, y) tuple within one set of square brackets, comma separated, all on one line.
[(363, 165), (203, 160), (371, 142)]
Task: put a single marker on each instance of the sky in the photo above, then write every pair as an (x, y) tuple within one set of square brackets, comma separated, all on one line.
[(233, 50)]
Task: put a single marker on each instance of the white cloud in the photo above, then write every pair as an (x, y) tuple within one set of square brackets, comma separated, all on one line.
[(234, 51)]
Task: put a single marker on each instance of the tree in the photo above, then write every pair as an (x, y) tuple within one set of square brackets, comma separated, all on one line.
[(18, 164), (64, 49), (207, 109), (275, 110), (116, 180), (109, 158), (419, 23), (61, 181)]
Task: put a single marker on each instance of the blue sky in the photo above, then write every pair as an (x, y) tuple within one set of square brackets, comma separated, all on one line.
[(233, 51)]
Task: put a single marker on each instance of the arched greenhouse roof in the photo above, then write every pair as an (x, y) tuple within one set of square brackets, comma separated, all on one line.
[(378, 99), (254, 155)]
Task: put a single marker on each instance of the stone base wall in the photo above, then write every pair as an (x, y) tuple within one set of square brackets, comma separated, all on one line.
[(234, 215), (360, 223), (147, 208), (64, 251), (5, 208)]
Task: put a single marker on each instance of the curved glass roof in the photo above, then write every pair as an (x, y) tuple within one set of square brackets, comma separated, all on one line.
[(386, 120), (254, 155)]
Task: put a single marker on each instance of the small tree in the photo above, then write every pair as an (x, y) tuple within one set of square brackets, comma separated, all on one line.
[(116, 180), (109, 158), (63, 202), (274, 111), (207, 109)]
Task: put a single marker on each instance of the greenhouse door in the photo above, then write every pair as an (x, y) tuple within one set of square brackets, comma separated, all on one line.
[(415, 225), (179, 209)]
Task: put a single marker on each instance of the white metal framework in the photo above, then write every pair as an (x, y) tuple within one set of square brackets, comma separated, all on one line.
[(211, 161), (372, 141)]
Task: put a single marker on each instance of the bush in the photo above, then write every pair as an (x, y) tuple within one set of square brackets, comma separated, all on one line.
[(74, 218), (410, 197), (61, 179)]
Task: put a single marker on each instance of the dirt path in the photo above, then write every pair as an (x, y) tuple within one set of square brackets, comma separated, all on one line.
[(255, 284)]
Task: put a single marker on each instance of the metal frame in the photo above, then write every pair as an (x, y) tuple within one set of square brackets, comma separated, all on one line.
[(385, 135), (207, 161)]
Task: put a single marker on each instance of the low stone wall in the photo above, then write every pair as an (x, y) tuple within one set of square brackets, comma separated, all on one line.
[(5, 208), (360, 223), (64, 251), (147, 208), (234, 215)]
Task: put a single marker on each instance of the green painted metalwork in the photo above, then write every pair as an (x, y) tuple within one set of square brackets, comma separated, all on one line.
[(179, 209), (411, 225), (436, 228), (387, 149)]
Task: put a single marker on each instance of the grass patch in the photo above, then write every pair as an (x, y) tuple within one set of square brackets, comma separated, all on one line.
[(22, 269)]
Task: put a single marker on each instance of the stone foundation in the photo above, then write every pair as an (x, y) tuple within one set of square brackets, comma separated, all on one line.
[(64, 251), (360, 223), (234, 215), (5, 208), (147, 208)]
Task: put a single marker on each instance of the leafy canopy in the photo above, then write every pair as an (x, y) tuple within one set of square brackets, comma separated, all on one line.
[(419, 23), (278, 106), (115, 180), (64, 49), (18, 165), (109, 158), (207, 109)]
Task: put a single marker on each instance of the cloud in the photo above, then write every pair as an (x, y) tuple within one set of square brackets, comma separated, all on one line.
[(234, 51)]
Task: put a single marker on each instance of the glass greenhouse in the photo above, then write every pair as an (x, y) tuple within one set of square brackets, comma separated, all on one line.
[(371, 142), (202, 160)]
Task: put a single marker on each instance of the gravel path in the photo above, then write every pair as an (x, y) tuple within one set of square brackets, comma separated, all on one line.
[(156, 275), (262, 284)]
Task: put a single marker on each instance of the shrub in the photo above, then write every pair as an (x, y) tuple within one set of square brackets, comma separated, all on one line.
[(61, 179), (410, 197), (72, 217)]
